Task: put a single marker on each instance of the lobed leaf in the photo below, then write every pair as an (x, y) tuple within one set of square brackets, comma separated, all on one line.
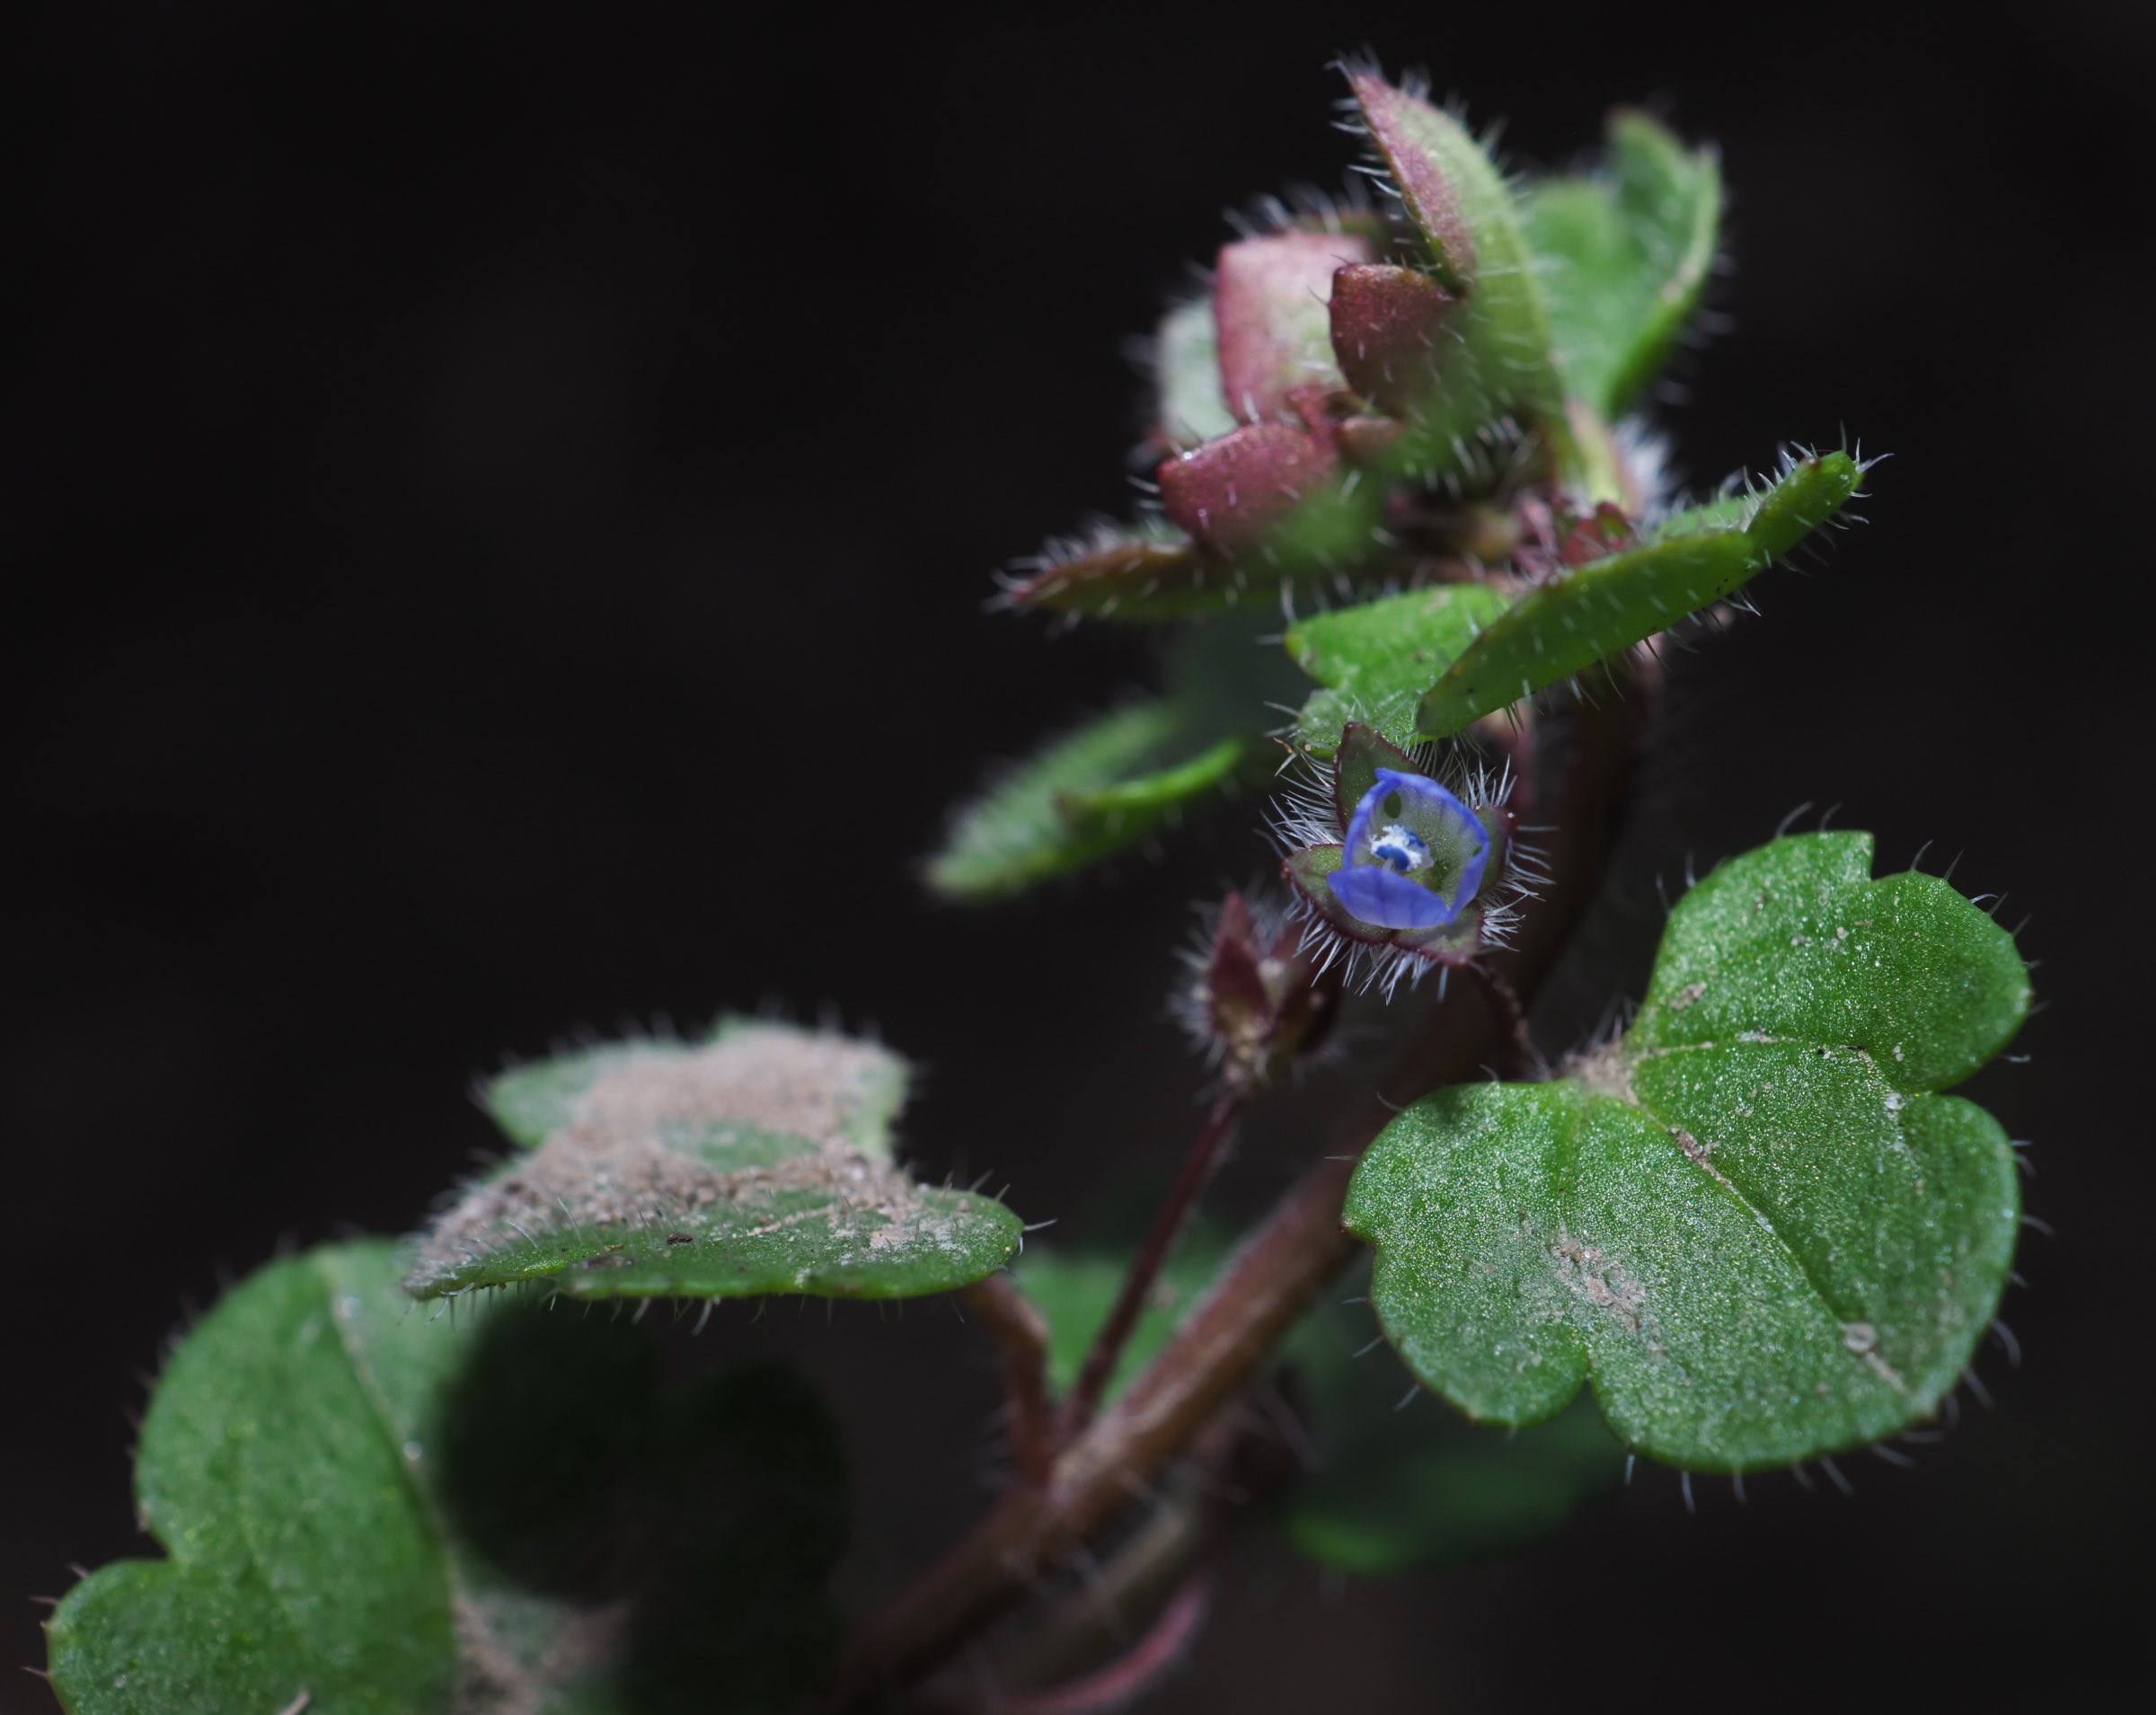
[(1752, 1223), (758, 1162), (1376, 659), (1624, 258), (1598, 610), (368, 1511)]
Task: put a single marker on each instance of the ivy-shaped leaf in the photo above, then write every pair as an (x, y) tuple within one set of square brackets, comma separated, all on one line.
[(758, 1162), (1377, 660), (368, 1510), (1599, 610), (1625, 257), (1751, 1222)]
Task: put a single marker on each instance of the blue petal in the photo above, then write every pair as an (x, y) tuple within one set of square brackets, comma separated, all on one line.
[(1393, 901), (1374, 895)]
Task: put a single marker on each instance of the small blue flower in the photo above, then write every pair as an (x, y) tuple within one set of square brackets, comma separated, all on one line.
[(1414, 854)]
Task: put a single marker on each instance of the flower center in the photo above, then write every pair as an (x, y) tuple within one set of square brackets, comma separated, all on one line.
[(1400, 849)]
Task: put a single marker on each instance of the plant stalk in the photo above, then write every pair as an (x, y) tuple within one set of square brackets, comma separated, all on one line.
[(1159, 1246), (1268, 1283)]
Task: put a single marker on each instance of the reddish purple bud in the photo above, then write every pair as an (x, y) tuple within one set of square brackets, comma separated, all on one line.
[(1386, 322), (1270, 309), (1228, 492), (1258, 1002), (1407, 133), (1602, 532)]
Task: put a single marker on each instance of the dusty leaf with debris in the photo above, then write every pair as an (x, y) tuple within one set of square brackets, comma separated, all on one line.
[(757, 1162), (1750, 1222), (375, 1511)]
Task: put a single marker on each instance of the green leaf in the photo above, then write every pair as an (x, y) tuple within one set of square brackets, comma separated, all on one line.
[(1625, 257), (1606, 606), (1031, 825), (1155, 572), (1378, 658), (1126, 776), (1751, 1223), (758, 1162), (379, 1511)]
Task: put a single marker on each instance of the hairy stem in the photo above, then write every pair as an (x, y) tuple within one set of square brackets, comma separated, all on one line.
[(1168, 1223), (1267, 1285), (1130, 1674), (1021, 1342), (1505, 1005)]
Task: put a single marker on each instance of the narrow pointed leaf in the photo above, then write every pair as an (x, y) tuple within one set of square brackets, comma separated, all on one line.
[(1162, 572), (1378, 658), (1625, 257), (1752, 1224), (758, 1162), (1599, 610), (378, 1513), (1140, 574), (1091, 795)]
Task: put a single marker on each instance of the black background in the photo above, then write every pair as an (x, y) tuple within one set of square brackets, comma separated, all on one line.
[(494, 498)]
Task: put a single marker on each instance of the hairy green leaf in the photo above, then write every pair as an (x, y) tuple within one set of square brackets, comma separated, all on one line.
[(1599, 610), (1126, 776), (1031, 825), (1624, 258), (1156, 573), (1499, 349), (1376, 659), (758, 1162), (1750, 1222), (369, 1510)]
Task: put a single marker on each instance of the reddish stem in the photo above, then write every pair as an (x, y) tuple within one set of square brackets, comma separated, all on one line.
[(1505, 1005), (1021, 1342), (1123, 1679), (1168, 1223), (1268, 1282)]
